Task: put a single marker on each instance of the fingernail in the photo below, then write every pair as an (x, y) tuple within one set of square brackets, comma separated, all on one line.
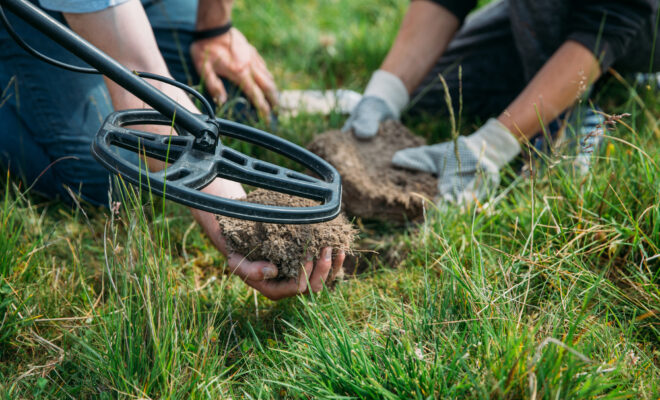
[(309, 258), (270, 272), (328, 254)]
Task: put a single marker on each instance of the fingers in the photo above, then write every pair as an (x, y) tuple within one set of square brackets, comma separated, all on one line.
[(265, 80), (311, 279), (321, 272), (365, 127), (232, 57), (276, 290), (262, 63), (424, 158), (367, 116), (305, 276), (267, 85), (251, 271), (337, 265), (348, 125), (213, 83), (254, 92)]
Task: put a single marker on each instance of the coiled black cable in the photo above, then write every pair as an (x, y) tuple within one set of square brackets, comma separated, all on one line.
[(37, 54), (205, 103)]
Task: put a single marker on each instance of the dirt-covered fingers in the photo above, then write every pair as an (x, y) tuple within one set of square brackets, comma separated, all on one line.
[(275, 290), (337, 264), (305, 276), (259, 274), (320, 272), (250, 270), (312, 276)]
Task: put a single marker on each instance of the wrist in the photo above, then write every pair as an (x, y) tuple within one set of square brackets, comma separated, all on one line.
[(390, 89), (495, 143), (213, 13), (210, 33), (222, 188)]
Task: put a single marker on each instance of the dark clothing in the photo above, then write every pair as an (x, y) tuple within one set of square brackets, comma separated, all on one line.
[(502, 46), (492, 69), (460, 8), (619, 32)]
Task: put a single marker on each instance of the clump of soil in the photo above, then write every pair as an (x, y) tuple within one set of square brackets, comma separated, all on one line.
[(286, 246), (372, 187)]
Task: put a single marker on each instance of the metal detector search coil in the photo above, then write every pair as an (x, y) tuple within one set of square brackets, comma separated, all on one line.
[(192, 169), (196, 156)]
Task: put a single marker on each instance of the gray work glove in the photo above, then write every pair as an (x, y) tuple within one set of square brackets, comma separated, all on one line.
[(468, 171), (384, 98)]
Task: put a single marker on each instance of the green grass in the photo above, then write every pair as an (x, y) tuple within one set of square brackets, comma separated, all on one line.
[(552, 293)]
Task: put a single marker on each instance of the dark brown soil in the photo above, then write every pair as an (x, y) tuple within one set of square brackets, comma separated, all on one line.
[(286, 246), (372, 187)]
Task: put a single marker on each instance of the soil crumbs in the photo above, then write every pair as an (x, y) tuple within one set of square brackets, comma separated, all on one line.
[(286, 246), (372, 187)]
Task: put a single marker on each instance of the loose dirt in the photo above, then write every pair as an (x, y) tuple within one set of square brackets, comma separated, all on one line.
[(372, 187), (286, 246)]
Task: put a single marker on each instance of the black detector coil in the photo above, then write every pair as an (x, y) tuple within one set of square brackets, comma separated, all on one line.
[(191, 169)]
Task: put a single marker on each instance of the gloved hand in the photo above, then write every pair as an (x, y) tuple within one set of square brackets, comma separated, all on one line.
[(468, 171), (384, 98)]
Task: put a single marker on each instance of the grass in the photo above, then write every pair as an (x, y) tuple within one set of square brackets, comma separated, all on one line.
[(552, 293)]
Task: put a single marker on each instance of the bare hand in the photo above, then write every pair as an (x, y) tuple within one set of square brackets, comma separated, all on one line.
[(259, 274), (312, 277), (231, 56)]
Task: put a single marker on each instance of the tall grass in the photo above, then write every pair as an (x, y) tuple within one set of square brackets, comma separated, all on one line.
[(10, 230), (551, 291)]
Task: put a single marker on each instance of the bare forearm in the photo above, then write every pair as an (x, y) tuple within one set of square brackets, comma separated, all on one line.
[(113, 31), (558, 85), (213, 13), (424, 35)]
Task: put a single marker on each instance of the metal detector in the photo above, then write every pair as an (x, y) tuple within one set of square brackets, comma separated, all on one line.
[(196, 156)]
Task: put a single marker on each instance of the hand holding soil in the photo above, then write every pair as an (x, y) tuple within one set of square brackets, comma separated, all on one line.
[(292, 248)]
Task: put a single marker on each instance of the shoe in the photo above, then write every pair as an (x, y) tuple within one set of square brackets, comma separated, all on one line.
[(650, 80), (578, 137), (590, 139)]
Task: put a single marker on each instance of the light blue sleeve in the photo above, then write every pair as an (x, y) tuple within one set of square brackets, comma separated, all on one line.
[(79, 6)]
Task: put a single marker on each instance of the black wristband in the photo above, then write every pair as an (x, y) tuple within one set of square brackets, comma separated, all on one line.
[(213, 32)]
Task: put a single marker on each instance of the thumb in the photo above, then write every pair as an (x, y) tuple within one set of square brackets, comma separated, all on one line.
[(251, 270), (366, 127), (348, 125), (418, 158)]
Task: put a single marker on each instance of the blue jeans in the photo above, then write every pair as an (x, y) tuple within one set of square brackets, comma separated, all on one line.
[(49, 116)]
